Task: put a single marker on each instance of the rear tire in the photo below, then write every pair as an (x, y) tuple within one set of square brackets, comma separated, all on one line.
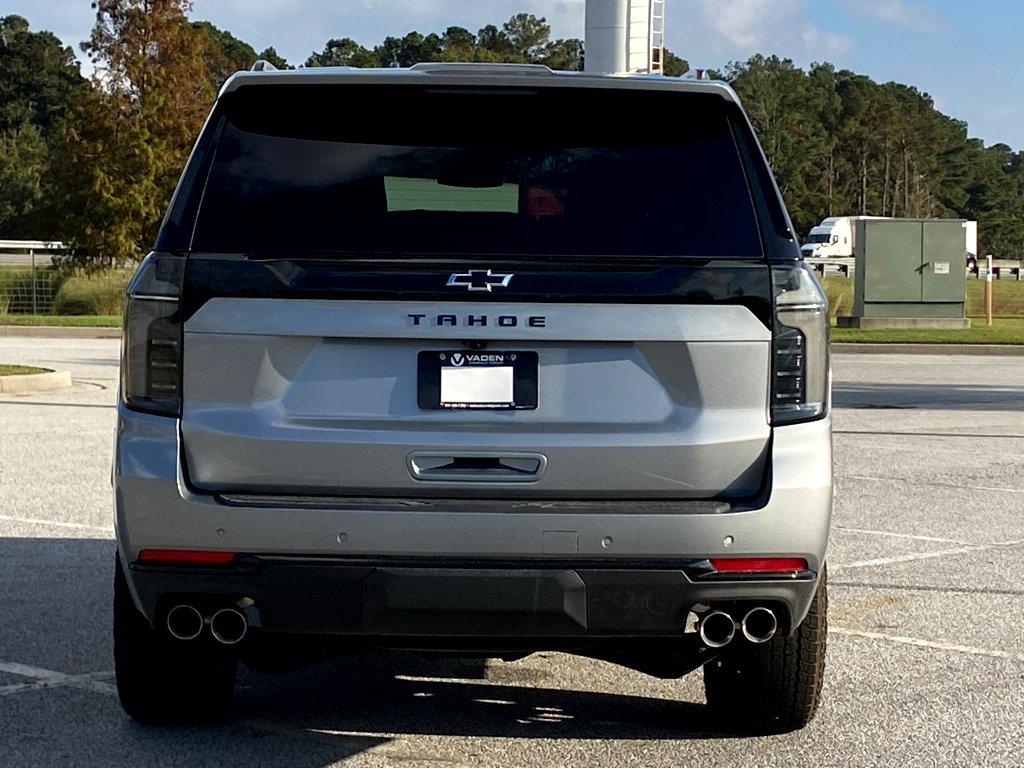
[(163, 680), (776, 686)]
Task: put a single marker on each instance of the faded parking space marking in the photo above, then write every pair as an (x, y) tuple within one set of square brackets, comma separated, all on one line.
[(910, 557), (60, 524), (47, 679), (922, 556), (959, 486), (959, 649), (901, 535), (925, 588)]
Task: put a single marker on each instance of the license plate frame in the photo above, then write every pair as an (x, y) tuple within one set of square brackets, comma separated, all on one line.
[(431, 363)]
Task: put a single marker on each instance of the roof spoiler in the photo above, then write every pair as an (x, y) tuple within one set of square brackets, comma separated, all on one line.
[(477, 68)]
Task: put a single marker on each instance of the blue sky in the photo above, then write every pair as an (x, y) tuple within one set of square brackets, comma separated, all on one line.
[(966, 54)]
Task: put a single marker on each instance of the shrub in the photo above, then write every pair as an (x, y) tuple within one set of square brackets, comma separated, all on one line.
[(95, 294)]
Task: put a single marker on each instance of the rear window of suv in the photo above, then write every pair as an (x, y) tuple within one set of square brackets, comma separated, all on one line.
[(397, 170)]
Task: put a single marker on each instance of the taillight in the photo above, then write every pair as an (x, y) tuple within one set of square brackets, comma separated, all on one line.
[(186, 557), (800, 365), (758, 565), (151, 344)]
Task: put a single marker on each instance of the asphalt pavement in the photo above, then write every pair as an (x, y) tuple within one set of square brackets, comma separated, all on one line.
[(925, 662)]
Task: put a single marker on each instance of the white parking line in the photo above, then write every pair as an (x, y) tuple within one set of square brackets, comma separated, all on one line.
[(59, 524), (928, 644), (938, 484), (911, 557), (43, 678), (922, 556), (904, 536), (46, 679), (87, 681)]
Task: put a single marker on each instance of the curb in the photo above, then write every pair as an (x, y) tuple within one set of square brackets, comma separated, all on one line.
[(21, 384), (63, 332), (875, 348)]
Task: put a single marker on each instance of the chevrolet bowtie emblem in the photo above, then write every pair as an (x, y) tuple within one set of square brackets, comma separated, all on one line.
[(479, 280)]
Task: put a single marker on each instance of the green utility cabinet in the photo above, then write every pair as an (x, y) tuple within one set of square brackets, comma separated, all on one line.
[(909, 273)]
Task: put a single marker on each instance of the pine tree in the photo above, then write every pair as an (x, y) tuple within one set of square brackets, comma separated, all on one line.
[(122, 150)]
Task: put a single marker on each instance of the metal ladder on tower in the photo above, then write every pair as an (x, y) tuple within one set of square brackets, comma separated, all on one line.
[(657, 36), (645, 35)]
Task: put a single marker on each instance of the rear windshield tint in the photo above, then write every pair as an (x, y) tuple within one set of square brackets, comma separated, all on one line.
[(402, 170)]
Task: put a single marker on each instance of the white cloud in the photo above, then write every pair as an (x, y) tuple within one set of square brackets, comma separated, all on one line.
[(817, 40), (899, 13), (720, 29), (739, 22), (564, 16)]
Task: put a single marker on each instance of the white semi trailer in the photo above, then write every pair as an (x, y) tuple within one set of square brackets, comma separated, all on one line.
[(830, 245), (972, 246), (833, 238)]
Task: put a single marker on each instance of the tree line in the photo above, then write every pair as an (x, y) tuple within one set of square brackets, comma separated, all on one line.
[(840, 143), (93, 162)]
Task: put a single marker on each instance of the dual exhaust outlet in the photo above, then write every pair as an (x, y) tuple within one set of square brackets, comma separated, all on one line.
[(227, 626), (718, 628)]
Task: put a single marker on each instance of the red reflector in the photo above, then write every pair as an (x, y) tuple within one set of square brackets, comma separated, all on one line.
[(199, 557), (772, 565)]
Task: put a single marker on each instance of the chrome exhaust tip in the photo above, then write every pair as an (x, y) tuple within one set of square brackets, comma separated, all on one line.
[(228, 626), (716, 629), (184, 622), (759, 625)]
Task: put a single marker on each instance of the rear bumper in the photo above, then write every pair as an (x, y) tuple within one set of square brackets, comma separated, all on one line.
[(322, 551), (382, 598)]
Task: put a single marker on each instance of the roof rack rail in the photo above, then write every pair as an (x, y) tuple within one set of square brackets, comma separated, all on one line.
[(262, 65), (470, 67)]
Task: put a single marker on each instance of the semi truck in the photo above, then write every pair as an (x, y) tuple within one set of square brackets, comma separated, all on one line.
[(833, 238), (831, 244)]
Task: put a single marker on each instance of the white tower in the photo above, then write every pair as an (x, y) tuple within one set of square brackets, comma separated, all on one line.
[(624, 36)]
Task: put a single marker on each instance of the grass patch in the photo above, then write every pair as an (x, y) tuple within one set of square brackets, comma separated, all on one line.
[(839, 291), (9, 370), (1002, 331), (1007, 296), (106, 321)]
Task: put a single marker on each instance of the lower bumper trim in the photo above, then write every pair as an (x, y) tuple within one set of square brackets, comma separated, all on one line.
[(325, 597)]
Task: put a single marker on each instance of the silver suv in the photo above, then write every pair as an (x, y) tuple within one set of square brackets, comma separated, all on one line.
[(481, 361)]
